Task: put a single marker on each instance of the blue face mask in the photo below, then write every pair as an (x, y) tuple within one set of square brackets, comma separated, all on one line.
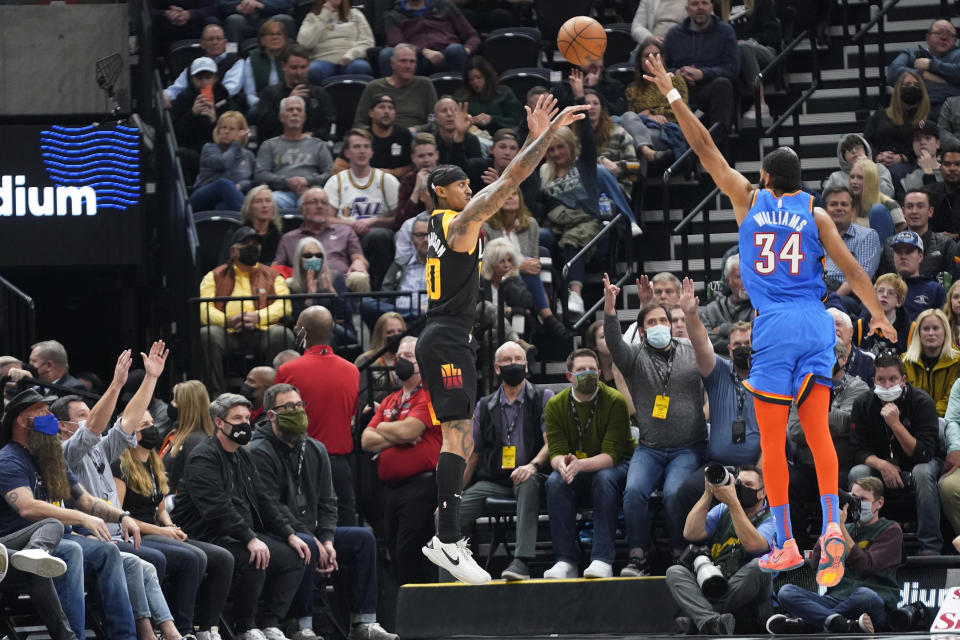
[(658, 336), (313, 264), (866, 511), (47, 424)]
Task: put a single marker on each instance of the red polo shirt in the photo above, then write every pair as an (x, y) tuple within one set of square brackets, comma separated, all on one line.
[(403, 461), (330, 386)]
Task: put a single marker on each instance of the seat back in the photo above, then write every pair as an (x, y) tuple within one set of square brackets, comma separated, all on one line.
[(511, 50), (212, 227), (446, 82), (345, 92), (524, 79), (620, 44), (622, 71), (247, 46), (551, 14), (181, 54)]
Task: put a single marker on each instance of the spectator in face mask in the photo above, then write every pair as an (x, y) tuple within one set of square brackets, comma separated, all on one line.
[(664, 380), (254, 385), (734, 434), (725, 309), (889, 129)]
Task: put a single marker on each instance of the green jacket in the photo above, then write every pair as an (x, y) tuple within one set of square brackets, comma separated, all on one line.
[(505, 110), (608, 432)]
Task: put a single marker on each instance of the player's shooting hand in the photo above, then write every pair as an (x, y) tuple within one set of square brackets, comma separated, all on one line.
[(539, 118), (881, 326), (610, 293), (657, 74), (570, 115)]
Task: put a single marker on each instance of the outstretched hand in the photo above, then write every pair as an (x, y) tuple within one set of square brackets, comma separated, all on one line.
[(153, 363), (539, 118), (122, 369), (610, 293), (688, 301), (657, 74), (879, 325), (570, 115)]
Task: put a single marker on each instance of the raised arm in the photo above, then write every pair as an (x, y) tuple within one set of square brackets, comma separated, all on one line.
[(153, 367), (731, 182), (702, 348), (101, 412), (465, 227), (853, 273)]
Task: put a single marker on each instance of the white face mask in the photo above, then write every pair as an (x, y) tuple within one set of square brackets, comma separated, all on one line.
[(658, 336), (888, 394), (866, 511)]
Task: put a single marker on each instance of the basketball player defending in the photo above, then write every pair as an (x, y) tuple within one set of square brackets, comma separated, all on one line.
[(446, 351), (782, 241)]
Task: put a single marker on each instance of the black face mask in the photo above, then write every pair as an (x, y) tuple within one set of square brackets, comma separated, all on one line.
[(404, 369), (249, 254), (741, 358), (393, 343), (150, 438), (747, 496), (173, 413), (910, 95), (247, 392), (513, 374), (240, 432)]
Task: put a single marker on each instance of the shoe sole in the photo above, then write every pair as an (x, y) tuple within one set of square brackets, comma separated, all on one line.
[(510, 576), (45, 567), (594, 576), (438, 558), (768, 568), (866, 623), (830, 573)]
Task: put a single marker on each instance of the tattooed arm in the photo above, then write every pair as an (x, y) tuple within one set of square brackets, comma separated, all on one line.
[(29, 508), (464, 229)]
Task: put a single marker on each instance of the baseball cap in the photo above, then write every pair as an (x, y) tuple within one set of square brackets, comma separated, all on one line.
[(503, 134), (927, 127), (243, 233), (908, 238), (383, 97), (202, 63)]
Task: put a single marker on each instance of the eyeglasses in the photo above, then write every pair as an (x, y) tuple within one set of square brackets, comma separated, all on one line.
[(421, 234), (316, 202), (213, 38), (290, 406), (311, 255), (943, 32)]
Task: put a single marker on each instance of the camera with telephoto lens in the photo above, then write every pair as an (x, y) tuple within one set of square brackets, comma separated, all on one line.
[(915, 616), (719, 475), (709, 577), (852, 503)]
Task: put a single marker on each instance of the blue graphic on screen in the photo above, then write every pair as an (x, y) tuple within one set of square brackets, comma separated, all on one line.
[(108, 160)]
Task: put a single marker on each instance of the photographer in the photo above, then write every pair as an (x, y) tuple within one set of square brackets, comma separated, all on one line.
[(738, 530), (859, 603)]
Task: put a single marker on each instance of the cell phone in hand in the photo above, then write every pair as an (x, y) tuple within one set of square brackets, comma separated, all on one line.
[(207, 92)]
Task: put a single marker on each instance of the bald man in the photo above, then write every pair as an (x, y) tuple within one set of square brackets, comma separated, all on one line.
[(329, 386), (937, 61), (254, 386)]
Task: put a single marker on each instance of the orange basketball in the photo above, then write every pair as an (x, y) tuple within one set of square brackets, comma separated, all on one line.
[(582, 40)]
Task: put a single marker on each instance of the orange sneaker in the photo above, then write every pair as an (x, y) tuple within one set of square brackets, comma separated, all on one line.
[(833, 552), (782, 559)]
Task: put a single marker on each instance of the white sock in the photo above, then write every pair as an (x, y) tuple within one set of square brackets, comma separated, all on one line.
[(305, 623)]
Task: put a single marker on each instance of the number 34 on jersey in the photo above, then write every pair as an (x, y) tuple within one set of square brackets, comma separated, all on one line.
[(768, 258)]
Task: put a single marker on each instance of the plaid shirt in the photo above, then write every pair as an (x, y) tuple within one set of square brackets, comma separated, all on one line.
[(864, 244)]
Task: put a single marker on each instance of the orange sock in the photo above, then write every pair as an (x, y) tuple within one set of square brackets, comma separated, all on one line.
[(814, 412), (772, 422)]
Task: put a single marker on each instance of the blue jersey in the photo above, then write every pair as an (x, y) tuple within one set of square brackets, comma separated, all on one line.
[(780, 251)]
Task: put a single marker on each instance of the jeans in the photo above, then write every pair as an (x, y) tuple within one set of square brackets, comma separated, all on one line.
[(136, 591), (320, 70), (285, 199), (925, 475), (535, 286), (454, 59), (186, 566), (220, 195), (46, 535), (528, 509), (263, 595), (238, 27), (357, 552), (153, 556), (215, 588), (159, 610), (650, 468), (102, 560), (747, 586), (69, 586), (601, 490), (814, 609)]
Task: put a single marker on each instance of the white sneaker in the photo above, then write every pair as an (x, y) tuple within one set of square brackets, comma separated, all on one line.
[(574, 302), (599, 569), (305, 634), (457, 559), (370, 631), (38, 562), (251, 634), (273, 633), (4, 565), (560, 571)]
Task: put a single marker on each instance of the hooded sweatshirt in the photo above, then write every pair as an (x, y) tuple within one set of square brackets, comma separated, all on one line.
[(841, 178)]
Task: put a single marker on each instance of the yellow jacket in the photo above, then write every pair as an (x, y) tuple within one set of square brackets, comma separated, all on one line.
[(938, 382)]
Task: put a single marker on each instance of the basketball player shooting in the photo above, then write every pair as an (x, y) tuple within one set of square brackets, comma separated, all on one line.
[(782, 240), (446, 351)]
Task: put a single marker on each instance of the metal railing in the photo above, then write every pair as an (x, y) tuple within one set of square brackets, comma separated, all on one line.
[(793, 111), (774, 64), (703, 207), (619, 218), (19, 328), (671, 170), (591, 312), (877, 20)]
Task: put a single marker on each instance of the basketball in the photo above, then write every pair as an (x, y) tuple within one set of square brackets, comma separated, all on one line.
[(582, 40)]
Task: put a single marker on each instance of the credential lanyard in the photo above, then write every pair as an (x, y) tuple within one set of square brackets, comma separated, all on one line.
[(664, 376), (576, 416)]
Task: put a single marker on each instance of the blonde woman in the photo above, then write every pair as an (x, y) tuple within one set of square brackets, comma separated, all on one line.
[(873, 209), (951, 309), (932, 363), (260, 213), (312, 275), (226, 166), (388, 328), (190, 410), (338, 37), (889, 131)]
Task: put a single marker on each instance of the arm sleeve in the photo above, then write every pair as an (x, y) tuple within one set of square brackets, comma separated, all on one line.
[(713, 518), (353, 244), (326, 114), (618, 429), (558, 440), (841, 409), (203, 482), (233, 78), (622, 353), (858, 422), (250, 85), (264, 173), (638, 28), (79, 446), (313, 26), (268, 112), (903, 62), (364, 36), (870, 259), (273, 7), (209, 314), (115, 442), (270, 473), (947, 67), (391, 188), (177, 87), (927, 423)]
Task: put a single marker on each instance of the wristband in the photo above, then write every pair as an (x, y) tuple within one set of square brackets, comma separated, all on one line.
[(673, 95)]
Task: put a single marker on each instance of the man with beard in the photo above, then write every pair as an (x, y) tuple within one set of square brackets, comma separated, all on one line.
[(725, 309), (391, 144), (946, 194), (734, 433), (295, 472), (36, 483)]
